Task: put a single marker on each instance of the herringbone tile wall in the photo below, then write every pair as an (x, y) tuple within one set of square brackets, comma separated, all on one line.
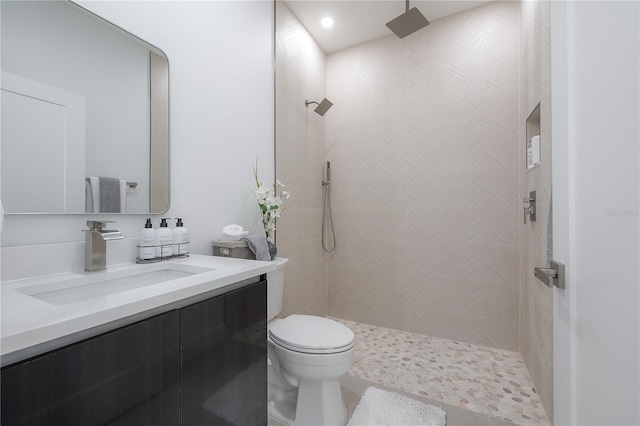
[(424, 143), (300, 159), (536, 301)]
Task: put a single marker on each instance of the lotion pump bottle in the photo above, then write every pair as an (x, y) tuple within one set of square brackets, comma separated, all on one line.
[(180, 238), (164, 240), (148, 241)]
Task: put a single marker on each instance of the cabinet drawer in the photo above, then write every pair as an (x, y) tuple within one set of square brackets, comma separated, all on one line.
[(129, 376), (224, 359)]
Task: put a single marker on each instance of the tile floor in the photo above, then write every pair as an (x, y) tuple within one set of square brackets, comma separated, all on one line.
[(491, 382)]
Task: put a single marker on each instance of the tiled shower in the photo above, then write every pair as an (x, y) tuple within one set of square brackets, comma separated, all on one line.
[(300, 162), (426, 173), (425, 170)]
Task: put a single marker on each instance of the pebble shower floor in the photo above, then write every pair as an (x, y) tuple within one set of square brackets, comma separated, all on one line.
[(481, 379)]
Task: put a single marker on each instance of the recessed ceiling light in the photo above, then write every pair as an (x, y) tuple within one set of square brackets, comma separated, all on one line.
[(327, 22)]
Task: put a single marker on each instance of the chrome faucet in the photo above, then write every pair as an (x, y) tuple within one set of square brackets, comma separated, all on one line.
[(95, 247)]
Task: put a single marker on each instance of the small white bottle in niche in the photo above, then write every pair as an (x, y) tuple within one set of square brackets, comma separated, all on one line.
[(164, 239), (535, 150), (148, 241), (180, 238)]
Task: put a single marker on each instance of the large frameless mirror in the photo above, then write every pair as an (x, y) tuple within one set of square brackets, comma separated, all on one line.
[(85, 114)]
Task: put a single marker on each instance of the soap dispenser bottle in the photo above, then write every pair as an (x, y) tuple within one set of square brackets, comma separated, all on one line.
[(164, 240), (148, 241), (180, 238)]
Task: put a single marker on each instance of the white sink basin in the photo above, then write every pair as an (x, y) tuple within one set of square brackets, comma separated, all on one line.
[(65, 291)]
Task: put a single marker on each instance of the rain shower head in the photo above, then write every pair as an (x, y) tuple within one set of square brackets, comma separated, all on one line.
[(408, 23), (322, 107)]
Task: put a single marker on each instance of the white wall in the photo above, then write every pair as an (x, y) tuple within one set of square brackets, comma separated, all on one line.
[(221, 92), (600, 120)]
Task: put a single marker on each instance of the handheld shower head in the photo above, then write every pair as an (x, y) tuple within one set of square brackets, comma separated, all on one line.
[(328, 181), (408, 23), (322, 107)]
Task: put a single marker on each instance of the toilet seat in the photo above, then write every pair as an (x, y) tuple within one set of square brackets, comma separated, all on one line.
[(312, 335)]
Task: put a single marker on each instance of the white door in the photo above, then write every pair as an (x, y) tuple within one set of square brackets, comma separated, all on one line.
[(43, 147), (595, 75)]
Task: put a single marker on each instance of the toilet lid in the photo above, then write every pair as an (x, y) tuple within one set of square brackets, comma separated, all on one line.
[(312, 334)]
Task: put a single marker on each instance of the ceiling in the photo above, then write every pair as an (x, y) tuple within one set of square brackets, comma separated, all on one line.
[(357, 21)]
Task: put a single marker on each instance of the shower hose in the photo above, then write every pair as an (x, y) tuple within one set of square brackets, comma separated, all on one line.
[(327, 220)]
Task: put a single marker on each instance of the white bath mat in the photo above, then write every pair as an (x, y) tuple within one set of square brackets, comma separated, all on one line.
[(381, 408)]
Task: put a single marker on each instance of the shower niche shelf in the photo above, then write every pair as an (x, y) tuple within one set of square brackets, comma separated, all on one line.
[(532, 140)]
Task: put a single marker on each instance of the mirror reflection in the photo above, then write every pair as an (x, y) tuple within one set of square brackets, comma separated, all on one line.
[(85, 123)]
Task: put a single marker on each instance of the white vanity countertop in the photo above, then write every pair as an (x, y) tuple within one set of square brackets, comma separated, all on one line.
[(30, 326)]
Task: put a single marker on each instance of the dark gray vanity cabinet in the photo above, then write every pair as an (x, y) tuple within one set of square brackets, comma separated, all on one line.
[(224, 359), (203, 364), (128, 376)]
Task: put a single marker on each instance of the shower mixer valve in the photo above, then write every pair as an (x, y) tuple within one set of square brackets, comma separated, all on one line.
[(531, 210)]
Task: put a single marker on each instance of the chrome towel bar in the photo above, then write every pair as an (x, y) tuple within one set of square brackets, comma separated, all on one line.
[(129, 184)]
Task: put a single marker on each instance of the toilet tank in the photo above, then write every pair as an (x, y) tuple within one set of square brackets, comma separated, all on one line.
[(275, 288)]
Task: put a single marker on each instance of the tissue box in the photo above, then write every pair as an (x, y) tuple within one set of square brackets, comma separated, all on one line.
[(237, 249)]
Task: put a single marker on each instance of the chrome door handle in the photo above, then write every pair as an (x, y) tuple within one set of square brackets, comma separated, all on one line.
[(554, 275)]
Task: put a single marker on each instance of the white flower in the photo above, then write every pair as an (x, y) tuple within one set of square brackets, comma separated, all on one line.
[(261, 193), (270, 201)]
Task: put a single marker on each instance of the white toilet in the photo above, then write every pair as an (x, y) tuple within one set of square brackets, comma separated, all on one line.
[(307, 356)]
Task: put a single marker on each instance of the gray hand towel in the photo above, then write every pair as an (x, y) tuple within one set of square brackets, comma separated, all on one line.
[(88, 198), (109, 195), (258, 245)]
